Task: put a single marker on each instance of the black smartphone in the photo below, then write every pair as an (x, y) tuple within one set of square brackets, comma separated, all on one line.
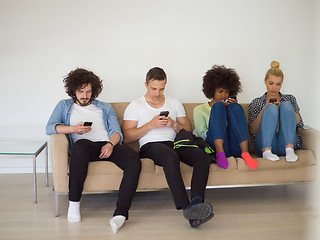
[(164, 113), (230, 97), (272, 100), (87, 124)]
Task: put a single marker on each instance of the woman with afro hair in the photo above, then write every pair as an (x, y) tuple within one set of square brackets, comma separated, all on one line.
[(221, 121)]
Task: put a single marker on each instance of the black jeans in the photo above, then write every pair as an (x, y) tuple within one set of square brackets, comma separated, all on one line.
[(163, 154), (85, 151)]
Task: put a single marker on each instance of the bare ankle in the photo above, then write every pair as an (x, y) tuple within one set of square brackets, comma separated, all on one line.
[(266, 149)]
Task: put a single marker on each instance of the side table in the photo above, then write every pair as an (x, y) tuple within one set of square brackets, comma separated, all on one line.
[(28, 149)]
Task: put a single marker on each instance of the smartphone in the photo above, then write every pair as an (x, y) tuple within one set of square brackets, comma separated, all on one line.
[(272, 100), (87, 124), (164, 113), (230, 97)]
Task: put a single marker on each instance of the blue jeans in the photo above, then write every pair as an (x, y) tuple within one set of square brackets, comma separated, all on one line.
[(277, 128), (230, 124)]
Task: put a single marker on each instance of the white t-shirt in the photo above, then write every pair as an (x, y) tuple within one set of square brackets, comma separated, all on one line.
[(139, 110), (89, 113)]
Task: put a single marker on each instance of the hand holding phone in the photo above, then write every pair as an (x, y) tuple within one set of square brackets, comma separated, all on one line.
[(81, 128), (230, 99), (272, 100)]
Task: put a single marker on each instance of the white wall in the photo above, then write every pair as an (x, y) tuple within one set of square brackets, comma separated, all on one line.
[(41, 41)]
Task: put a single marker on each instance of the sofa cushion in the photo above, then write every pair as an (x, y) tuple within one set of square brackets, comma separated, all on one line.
[(147, 165), (232, 166), (119, 108), (306, 158)]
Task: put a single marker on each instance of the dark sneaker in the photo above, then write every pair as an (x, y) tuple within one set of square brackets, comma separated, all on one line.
[(198, 211), (197, 222)]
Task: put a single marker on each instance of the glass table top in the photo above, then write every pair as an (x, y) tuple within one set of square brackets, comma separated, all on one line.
[(21, 147)]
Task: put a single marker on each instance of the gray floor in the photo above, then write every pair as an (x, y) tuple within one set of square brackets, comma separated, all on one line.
[(264, 213)]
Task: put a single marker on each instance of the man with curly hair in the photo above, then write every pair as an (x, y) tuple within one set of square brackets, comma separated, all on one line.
[(222, 122), (100, 141)]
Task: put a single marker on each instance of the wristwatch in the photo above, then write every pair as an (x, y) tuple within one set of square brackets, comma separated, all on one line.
[(110, 143)]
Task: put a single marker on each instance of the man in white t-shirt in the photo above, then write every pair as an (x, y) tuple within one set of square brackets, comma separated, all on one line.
[(98, 140), (154, 120)]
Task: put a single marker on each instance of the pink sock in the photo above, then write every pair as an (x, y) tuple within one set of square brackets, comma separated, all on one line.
[(222, 160), (251, 163)]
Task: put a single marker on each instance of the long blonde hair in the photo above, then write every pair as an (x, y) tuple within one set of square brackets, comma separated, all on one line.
[(274, 70)]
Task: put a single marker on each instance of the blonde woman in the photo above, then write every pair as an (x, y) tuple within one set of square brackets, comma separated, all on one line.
[(274, 118)]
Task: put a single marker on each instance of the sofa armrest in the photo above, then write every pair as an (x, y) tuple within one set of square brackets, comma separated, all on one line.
[(59, 157), (311, 140)]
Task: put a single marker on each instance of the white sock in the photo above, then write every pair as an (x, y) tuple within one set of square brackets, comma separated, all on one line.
[(74, 212), (116, 223), (290, 155), (270, 156)]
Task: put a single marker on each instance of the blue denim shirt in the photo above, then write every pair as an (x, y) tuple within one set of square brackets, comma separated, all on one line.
[(61, 116)]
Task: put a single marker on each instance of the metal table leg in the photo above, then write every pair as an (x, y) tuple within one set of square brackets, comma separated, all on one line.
[(46, 162), (34, 180)]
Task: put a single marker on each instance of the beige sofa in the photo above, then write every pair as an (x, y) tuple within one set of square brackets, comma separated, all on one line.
[(106, 176)]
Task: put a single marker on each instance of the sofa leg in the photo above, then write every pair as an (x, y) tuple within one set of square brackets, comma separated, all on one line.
[(56, 204)]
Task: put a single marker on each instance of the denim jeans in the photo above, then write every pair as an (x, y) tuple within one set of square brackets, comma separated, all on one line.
[(277, 128), (230, 124)]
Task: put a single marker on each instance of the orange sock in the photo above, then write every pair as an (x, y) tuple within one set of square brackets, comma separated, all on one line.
[(251, 163)]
